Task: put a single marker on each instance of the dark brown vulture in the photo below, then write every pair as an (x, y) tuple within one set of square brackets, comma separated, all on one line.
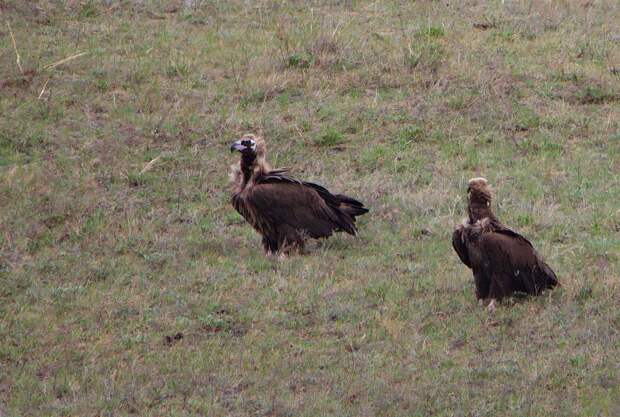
[(286, 211), (503, 262)]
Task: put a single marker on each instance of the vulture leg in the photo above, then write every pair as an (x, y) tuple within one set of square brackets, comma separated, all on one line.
[(270, 245), (290, 240)]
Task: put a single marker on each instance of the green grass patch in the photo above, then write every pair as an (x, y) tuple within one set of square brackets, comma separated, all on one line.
[(329, 137)]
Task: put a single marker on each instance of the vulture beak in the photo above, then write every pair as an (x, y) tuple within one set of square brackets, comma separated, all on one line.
[(237, 146)]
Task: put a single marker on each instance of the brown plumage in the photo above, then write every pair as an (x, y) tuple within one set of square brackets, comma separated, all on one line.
[(503, 262), (286, 211)]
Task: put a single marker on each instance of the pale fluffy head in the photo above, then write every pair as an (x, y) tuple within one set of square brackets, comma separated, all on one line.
[(478, 190), (478, 183)]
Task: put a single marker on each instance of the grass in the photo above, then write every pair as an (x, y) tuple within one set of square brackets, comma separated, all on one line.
[(129, 286)]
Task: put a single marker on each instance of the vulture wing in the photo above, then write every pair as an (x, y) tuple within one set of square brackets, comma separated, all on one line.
[(513, 264), (339, 202), (283, 200), (469, 252), (460, 247)]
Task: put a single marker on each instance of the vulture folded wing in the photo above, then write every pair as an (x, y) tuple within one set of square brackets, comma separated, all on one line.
[(346, 207), (514, 263), (500, 228), (276, 175), (460, 247), (334, 200), (283, 200)]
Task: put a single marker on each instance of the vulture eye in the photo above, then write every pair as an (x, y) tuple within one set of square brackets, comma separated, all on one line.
[(247, 142)]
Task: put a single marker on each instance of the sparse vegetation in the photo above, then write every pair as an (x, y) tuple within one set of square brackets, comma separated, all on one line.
[(129, 286)]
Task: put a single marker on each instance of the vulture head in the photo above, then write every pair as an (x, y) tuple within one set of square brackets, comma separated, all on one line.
[(479, 191), (479, 199), (249, 145), (252, 163)]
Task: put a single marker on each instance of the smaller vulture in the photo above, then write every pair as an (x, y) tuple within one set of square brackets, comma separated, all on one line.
[(503, 262), (284, 210)]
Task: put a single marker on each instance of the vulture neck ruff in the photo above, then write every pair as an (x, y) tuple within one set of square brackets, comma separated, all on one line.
[(252, 166)]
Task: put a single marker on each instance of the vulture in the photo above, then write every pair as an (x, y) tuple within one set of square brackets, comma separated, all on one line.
[(502, 261), (283, 210)]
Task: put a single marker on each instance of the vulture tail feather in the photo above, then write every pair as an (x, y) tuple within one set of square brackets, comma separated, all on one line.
[(345, 203), (546, 278), (351, 206)]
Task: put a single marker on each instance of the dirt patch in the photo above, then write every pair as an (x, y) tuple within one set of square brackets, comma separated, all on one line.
[(21, 81), (171, 340)]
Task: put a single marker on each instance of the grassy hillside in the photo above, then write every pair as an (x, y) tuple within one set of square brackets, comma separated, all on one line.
[(129, 285)]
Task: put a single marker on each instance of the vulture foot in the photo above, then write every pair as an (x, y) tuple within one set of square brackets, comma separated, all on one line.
[(491, 306)]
